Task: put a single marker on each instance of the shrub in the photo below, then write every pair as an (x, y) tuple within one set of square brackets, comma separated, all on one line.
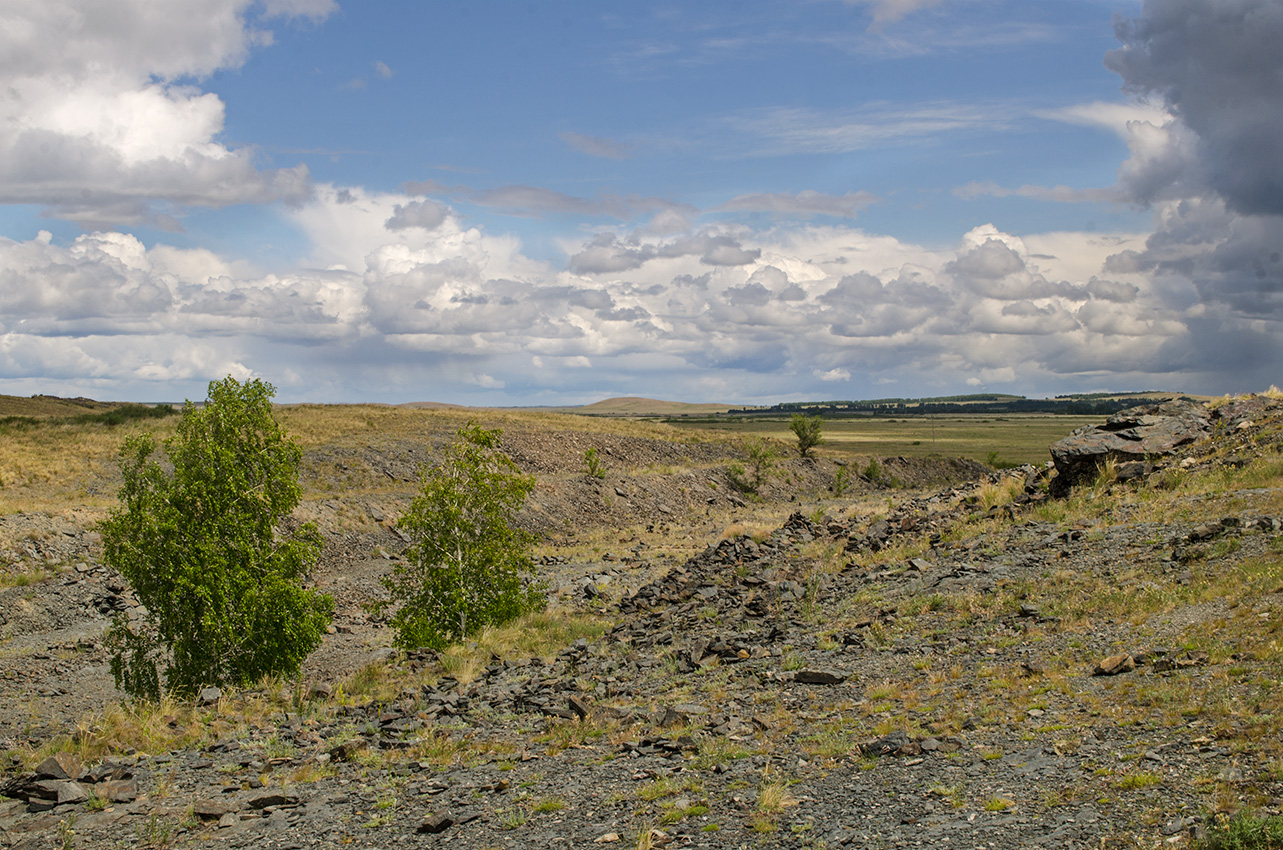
[(995, 461), (761, 463), (468, 566), (200, 546), (807, 429), (841, 481), (592, 464)]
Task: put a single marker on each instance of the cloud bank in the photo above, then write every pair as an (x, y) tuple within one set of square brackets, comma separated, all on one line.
[(102, 123), (400, 297)]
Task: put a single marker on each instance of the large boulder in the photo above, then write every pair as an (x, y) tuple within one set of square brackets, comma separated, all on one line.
[(1134, 434)]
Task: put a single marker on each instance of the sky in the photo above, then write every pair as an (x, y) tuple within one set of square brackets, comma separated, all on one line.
[(739, 201)]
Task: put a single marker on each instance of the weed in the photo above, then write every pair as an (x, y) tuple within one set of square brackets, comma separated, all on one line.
[(592, 464), (1134, 781), (950, 793), (841, 480), (550, 804), (675, 813), (1245, 832), (154, 833), (67, 833), (774, 798), (511, 819)]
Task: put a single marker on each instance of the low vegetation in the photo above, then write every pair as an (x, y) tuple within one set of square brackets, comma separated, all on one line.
[(808, 430)]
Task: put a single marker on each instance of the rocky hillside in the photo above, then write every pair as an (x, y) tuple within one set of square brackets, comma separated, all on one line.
[(974, 664)]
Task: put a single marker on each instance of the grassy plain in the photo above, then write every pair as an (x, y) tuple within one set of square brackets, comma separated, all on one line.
[(1017, 438), (62, 463)]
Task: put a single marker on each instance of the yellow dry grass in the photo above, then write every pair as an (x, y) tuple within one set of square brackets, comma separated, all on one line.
[(317, 425), (58, 466)]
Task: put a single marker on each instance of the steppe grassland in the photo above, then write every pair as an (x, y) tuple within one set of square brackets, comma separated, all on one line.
[(316, 424), (57, 465), (1015, 437)]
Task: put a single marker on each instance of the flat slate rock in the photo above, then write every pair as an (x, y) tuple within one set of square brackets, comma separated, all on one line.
[(1130, 435), (819, 677)]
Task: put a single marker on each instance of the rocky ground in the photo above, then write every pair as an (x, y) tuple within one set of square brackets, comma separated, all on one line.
[(973, 665)]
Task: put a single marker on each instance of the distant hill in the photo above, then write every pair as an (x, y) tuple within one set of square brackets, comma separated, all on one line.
[(42, 406), (636, 406), (431, 405)]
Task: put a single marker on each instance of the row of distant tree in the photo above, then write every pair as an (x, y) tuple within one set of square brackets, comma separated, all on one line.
[(1091, 404)]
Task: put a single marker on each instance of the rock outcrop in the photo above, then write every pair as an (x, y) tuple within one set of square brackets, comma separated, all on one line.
[(1130, 436)]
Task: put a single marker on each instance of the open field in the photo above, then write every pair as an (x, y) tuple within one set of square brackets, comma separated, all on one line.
[(1017, 438)]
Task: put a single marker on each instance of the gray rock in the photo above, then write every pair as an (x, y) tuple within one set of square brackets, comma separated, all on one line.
[(435, 823), (1115, 664), (70, 793), (272, 798), (215, 808), (118, 790), (1130, 435), (819, 677), (62, 765)]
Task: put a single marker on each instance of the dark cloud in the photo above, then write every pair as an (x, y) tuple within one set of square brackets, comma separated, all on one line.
[(425, 214), (854, 289), (79, 178), (605, 254), (1108, 290), (729, 254), (994, 269), (1217, 66), (993, 260), (749, 295), (1233, 261)]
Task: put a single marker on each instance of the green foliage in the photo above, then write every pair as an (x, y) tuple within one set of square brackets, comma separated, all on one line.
[(995, 461), (468, 565), (116, 416), (761, 463), (1245, 832), (592, 464), (807, 429), (873, 471), (200, 547), (123, 414), (841, 481)]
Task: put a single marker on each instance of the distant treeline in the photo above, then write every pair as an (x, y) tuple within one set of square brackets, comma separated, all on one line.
[(1114, 395), (1094, 404)]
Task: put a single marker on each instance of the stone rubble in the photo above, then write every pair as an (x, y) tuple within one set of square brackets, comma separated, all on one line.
[(723, 677)]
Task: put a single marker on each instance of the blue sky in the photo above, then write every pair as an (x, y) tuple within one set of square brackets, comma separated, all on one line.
[(517, 203)]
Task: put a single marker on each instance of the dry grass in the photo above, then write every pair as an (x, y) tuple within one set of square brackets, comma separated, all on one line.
[(171, 724), (56, 467), (319, 425), (1019, 438), (1003, 492)]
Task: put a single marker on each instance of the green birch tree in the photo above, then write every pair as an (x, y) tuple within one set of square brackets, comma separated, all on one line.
[(468, 565), (200, 541)]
